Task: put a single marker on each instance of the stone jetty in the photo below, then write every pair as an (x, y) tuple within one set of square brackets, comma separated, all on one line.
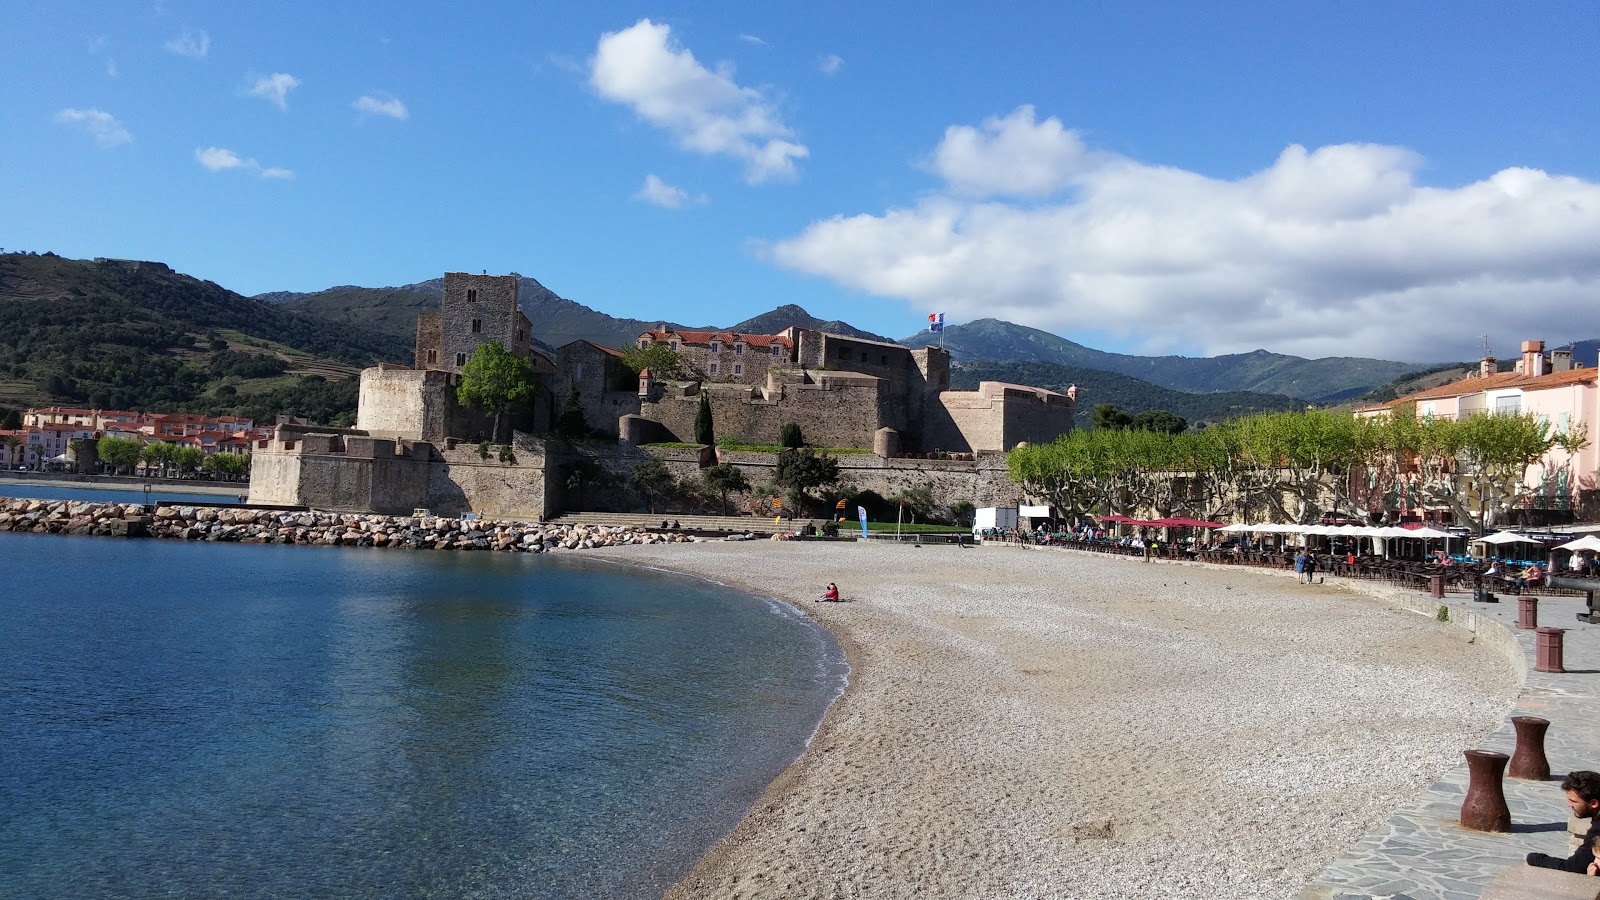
[(252, 526)]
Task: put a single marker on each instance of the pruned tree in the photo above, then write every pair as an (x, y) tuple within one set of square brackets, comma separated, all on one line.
[(663, 362), (654, 482), (704, 431), (791, 437), (119, 454), (801, 471)]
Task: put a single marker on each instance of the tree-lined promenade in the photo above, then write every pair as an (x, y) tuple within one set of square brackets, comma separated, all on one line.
[(1298, 466)]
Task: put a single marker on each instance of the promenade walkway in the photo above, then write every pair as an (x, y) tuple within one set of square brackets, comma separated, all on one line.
[(1421, 853)]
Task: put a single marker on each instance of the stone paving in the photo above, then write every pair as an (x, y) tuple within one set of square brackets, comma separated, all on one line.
[(1421, 853)]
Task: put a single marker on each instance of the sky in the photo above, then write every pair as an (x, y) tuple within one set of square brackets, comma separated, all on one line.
[(1393, 180)]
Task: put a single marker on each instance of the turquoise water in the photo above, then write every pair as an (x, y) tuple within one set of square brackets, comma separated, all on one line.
[(188, 720)]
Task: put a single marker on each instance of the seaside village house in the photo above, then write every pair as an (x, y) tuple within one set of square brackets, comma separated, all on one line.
[(415, 447), (1560, 391), (47, 436)]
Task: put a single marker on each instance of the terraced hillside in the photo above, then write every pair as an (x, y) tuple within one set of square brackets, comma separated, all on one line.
[(120, 334)]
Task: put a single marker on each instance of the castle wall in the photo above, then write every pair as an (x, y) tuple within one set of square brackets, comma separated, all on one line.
[(607, 390), (983, 481), (412, 404), (841, 410), (996, 417), (430, 341)]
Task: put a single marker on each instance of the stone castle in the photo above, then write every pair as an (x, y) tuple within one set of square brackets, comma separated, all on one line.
[(410, 445)]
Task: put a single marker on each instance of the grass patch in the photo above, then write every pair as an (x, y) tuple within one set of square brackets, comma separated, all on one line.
[(672, 445), (779, 448), (911, 529)]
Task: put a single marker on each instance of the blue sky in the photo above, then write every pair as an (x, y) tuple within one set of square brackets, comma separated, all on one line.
[(1373, 179)]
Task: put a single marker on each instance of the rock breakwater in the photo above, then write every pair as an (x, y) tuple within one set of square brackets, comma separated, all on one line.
[(250, 526)]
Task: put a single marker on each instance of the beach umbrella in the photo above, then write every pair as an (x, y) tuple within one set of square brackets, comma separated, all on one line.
[(1587, 542)]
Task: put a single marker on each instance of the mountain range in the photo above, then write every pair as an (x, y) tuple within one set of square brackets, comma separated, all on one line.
[(558, 320)]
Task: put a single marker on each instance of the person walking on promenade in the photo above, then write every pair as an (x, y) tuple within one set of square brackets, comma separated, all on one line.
[(1583, 798), (1311, 568), (1300, 567)]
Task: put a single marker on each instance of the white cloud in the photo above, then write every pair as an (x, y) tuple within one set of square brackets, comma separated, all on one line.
[(381, 105), (707, 112), (1015, 156), (752, 40), (221, 159), (102, 126), (191, 43), (1330, 251), (830, 64), (111, 68), (97, 43), (274, 88), (659, 193)]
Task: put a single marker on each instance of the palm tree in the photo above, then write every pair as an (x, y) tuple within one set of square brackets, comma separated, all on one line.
[(12, 442)]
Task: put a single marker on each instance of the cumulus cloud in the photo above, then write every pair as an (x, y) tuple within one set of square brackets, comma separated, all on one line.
[(704, 110), (381, 105), (191, 43), (658, 192), (274, 88), (221, 159), (1336, 250), (830, 64), (100, 125)]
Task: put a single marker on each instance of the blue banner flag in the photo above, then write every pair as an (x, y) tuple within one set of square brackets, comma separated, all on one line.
[(862, 512), (935, 322)]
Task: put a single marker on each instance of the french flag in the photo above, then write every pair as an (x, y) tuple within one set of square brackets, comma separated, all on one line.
[(935, 322)]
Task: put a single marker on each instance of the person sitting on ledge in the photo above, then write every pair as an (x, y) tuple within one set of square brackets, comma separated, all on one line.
[(1583, 798), (831, 595)]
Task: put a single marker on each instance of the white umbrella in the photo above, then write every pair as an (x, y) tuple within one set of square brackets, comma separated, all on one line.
[(1429, 533), (1504, 537), (1587, 542), (1237, 526)]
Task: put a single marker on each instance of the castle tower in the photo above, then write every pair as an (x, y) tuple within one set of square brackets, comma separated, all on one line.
[(477, 309)]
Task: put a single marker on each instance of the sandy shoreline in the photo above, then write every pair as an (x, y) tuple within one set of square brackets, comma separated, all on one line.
[(1048, 724)]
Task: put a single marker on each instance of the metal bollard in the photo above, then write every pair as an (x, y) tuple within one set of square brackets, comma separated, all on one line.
[(1527, 612), (1436, 586), (1484, 808), (1548, 658), (1528, 761)]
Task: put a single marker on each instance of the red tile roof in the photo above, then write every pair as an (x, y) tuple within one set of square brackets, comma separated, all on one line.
[(1472, 384)]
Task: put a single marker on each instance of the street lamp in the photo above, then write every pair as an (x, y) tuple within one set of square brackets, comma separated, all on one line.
[(147, 494)]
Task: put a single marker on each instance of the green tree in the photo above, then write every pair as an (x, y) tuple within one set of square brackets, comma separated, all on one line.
[(663, 362), (157, 455), (801, 471), (579, 474), (495, 379), (791, 437), (917, 502), (10, 419), (1159, 420), (724, 479), (704, 432), (13, 446), (654, 482), (231, 464), (186, 459), (1108, 418), (119, 454), (570, 422)]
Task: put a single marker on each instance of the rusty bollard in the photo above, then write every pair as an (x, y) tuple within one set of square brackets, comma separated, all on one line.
[(1548, 657), (1484, 808), (1436, 586), (1527, 612), (1528, 761)]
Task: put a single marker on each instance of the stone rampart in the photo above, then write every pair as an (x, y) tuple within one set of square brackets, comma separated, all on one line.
[(996, 417)]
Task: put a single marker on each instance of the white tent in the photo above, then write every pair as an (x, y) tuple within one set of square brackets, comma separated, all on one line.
[(1430, 533), (1504, 537), (1587, 542)]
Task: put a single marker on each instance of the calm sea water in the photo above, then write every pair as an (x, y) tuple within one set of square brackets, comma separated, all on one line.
[(159, 493), (188, 720)]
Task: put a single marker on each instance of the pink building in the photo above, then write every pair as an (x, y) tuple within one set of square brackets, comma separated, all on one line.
[(1563, 394)]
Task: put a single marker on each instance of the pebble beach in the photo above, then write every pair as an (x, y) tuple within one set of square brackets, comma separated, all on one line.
[(1048, 724)]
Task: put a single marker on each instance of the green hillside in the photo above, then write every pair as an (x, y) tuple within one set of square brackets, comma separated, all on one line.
[(1124, 392), (113, 334), (1315, 380)]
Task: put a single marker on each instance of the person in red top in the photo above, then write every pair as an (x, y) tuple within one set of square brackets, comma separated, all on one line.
[(831, 595)]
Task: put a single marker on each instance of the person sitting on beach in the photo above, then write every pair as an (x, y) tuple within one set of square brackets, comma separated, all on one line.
[(1583, 798), (831, 595)]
